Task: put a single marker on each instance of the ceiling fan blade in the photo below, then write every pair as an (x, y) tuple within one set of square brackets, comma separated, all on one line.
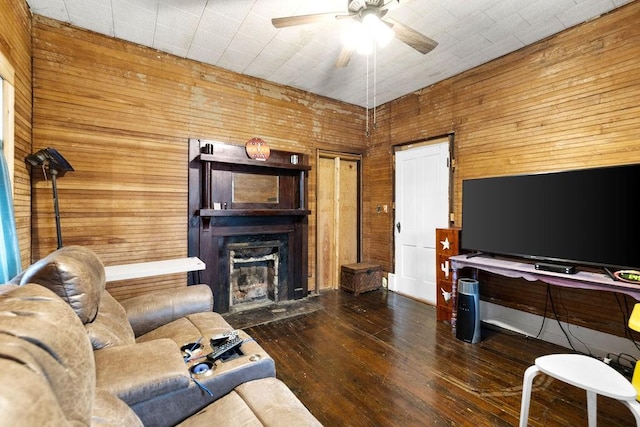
[(290, 21), (416, 40), (344, 57)]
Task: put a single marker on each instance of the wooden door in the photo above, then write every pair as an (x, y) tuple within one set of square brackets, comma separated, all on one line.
[(338, 214)]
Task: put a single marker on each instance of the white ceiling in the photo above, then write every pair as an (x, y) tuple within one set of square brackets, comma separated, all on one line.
[(238, 35)]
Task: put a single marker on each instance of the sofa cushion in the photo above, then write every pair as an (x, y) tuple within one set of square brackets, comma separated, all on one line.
[(75, 274), (19, 404), (224, 411), (265, 402), (275, 404), (189, 328), (42, 334), (140, 372), (151, 310), (110, 327), (7, 287)]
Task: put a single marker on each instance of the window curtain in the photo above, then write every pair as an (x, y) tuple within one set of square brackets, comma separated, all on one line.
[(9, 251)]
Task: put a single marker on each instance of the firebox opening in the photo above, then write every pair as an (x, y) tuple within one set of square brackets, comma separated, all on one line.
[(253, 277)]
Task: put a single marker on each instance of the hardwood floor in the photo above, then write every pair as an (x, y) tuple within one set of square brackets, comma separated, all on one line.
[(381, 359)]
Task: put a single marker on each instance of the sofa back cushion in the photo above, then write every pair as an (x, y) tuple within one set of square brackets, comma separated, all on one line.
[(111, 326), (47, 363), (74, 273)]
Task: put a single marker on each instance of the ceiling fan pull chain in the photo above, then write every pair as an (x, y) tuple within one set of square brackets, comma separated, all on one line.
[(367, 97), (375, 84)]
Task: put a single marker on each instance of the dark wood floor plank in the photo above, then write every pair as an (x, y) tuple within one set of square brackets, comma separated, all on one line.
[(382, 359)]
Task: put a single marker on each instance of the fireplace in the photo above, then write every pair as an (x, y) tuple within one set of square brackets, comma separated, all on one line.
[(253, 265), (248, 223), (253, 273)]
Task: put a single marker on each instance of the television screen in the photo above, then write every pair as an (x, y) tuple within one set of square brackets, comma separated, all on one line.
[(579, 217)]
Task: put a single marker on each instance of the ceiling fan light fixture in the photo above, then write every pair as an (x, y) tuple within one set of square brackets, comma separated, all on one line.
[(365, 47), (357, 38), (377, 29), (361, 14), (360, 36)]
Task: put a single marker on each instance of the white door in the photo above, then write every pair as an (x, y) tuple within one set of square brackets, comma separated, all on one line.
[(422, 205)]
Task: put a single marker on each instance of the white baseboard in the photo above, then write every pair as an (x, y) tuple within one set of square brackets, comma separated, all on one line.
[(584, 339)]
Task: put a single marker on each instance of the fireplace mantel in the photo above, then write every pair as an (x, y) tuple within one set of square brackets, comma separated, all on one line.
[(216, 220)]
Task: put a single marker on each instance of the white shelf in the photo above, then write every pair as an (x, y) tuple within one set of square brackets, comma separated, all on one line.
[(153, 268)]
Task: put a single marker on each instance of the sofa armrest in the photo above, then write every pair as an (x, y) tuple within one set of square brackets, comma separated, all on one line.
[(137, 372), (109, 411), (150, 311)]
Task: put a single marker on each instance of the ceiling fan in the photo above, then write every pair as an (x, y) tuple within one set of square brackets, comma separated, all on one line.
[(358, 10)]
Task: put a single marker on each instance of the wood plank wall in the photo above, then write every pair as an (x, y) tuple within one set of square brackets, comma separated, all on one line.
[(15, 44), (567, 102), (121, 114)]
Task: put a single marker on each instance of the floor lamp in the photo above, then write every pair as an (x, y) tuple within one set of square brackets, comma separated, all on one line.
[(50, 159)]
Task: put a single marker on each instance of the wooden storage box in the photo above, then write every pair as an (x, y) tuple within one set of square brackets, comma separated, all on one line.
[(360, 277)]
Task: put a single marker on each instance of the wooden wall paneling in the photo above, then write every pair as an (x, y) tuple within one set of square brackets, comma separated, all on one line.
[(377, 170), (15, 44), (566, 102), (122, 115), (378, 226)]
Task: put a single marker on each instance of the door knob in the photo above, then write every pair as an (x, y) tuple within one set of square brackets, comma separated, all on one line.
[(398, 226)]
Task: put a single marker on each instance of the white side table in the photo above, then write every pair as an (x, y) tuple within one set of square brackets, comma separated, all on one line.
[(585, 372)]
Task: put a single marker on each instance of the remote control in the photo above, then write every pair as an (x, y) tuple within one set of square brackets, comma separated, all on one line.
[(218, 339), (229, 345)]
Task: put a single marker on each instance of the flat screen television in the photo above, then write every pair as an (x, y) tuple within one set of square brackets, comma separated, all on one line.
[(580, 217)]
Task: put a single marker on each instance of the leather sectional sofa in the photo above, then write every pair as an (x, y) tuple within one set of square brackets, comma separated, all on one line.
[(70, 354)]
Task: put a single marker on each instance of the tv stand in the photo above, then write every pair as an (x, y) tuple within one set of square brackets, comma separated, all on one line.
[(528, 271)]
